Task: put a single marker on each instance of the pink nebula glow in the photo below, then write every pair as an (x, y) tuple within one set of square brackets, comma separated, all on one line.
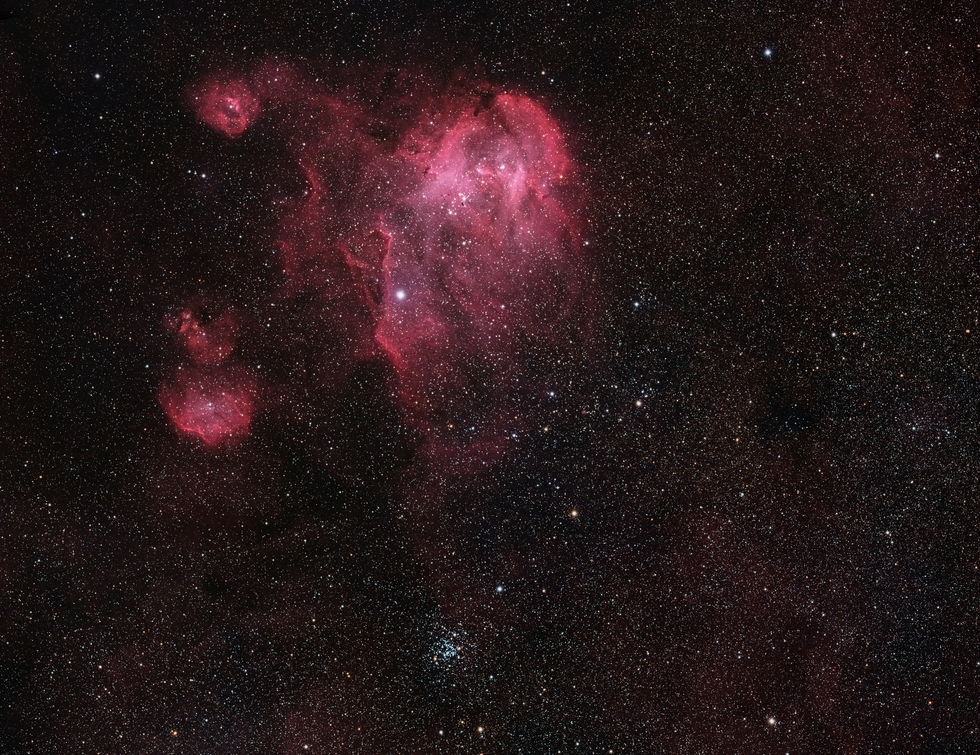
[(210, 343), (481, 253), (216, 407), (439, 229), (226, 104), (456, 216)]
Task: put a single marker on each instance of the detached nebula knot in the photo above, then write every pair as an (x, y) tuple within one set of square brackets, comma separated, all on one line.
[(213, 406), (441, 231), (207, 398), (210, 343), (226, 104)]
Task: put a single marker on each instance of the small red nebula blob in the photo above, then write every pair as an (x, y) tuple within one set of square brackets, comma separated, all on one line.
[(214, 406), (211, 343), (228, 105)]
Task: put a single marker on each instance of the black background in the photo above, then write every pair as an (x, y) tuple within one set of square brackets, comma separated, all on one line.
[(771, 449)]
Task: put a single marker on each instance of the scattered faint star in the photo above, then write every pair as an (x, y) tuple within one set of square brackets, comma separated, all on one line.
[(309, 484)]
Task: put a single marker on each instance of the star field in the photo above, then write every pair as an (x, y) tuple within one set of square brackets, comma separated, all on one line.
[(490, 378)]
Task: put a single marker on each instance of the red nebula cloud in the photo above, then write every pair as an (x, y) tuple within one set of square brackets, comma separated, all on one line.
[(439, 229), (482, 252), (228, 105), (208, 344), (214, 406)]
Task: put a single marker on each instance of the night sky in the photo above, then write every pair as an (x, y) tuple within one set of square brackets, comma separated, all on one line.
[(501, 378)]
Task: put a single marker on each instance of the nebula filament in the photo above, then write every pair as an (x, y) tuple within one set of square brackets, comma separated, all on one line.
[(442, 225)]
